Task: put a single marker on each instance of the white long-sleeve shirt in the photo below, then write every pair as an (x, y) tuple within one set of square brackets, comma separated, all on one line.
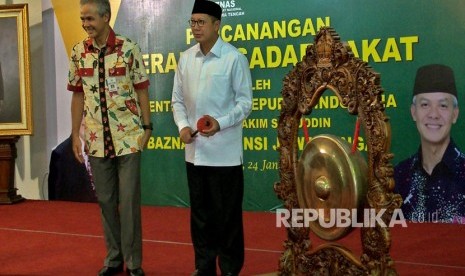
[(218, 84)]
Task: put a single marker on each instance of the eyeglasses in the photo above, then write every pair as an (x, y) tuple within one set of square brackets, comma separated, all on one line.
[(200, 22)]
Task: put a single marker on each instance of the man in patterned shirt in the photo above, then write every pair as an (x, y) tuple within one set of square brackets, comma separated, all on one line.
[(110, 88), (432, 181)]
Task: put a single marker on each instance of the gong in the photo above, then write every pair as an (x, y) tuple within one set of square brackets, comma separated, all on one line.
[(331, 179)]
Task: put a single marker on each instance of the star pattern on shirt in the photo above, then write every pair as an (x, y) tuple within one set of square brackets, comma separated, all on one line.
[(93, 136), (121, 127), (94, 88)]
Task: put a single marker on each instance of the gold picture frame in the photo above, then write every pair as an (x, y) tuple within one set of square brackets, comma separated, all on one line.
[(15, 81)]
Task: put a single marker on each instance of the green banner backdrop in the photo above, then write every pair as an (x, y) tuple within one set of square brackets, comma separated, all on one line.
[(395, 37)]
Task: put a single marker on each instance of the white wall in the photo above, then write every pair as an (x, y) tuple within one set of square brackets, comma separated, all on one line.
[(63, 96)]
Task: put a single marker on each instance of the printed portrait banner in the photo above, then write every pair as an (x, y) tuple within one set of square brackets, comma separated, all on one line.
[(394, 37)]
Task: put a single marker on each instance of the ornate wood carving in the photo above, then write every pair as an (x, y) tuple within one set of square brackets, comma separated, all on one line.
[(330, 64)]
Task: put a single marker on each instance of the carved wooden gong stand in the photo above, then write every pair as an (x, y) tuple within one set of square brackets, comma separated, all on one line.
[(330, 64)]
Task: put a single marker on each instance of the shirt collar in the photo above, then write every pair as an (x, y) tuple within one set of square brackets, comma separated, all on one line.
[(215, 50), (450, 155), (111, 41), (448, 159)]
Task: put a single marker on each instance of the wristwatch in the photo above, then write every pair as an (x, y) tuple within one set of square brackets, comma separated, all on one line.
[(149, 126)]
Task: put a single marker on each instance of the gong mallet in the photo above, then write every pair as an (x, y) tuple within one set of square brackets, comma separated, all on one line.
[(202, 124)]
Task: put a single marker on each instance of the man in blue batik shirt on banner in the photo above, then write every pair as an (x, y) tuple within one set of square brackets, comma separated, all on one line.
[(432, 181)]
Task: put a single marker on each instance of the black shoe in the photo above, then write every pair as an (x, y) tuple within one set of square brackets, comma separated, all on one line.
[(136, 272), (109, 270)]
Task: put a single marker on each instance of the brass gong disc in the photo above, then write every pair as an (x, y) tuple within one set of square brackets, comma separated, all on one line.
[(330, 177)]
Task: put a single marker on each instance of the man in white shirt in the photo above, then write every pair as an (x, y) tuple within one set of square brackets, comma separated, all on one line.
[(213, 82)]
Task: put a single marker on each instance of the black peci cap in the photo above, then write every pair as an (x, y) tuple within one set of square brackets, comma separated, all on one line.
[(207, 7), (435, 78)]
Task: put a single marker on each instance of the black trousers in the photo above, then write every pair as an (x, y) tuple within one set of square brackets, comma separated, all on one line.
[(216, 195)]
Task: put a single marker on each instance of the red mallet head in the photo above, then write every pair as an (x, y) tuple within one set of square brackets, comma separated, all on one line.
[(204, 123)]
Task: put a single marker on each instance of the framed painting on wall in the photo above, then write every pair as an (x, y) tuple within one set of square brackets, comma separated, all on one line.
[(15, 83)]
